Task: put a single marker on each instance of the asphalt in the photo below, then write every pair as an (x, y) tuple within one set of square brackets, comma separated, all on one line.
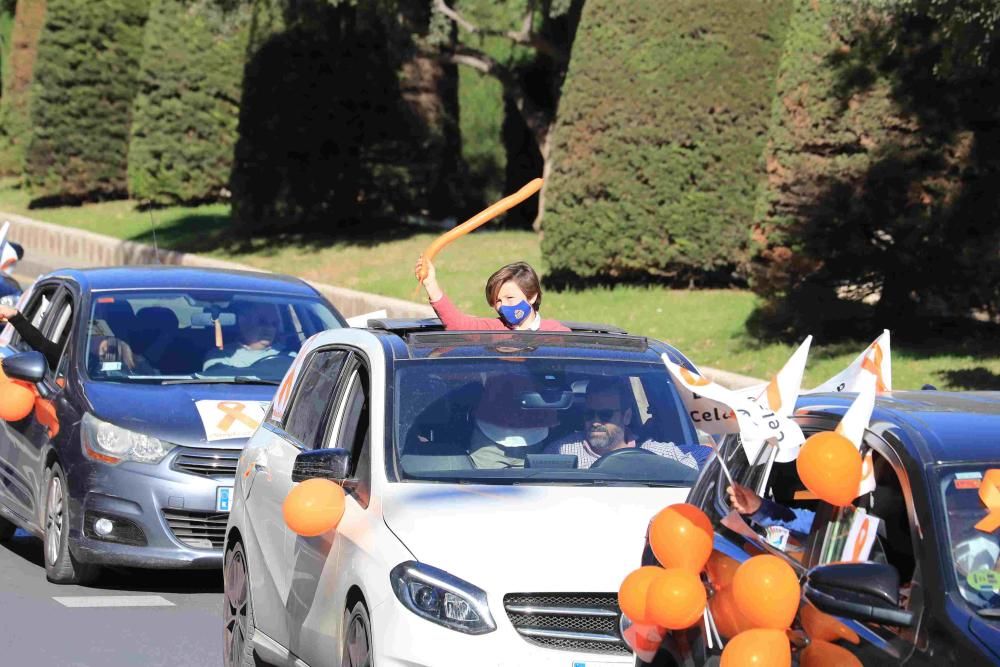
[(128, 618)]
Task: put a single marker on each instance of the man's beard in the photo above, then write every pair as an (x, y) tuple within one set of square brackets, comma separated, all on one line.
[(603, 439)]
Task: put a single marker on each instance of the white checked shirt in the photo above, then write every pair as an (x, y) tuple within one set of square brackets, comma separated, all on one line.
[(585, 456)]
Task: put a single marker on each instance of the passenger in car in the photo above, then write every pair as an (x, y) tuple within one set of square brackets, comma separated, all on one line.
[(257, 324), (505, 431), (31, 335), (607, 419), (514, 291)]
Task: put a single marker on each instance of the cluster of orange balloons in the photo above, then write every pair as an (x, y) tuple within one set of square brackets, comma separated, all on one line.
[(18, 399), (314, 507), (830, 466), (656, 599)]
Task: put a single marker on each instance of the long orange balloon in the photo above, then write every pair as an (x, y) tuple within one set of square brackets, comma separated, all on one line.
[(479, 219)]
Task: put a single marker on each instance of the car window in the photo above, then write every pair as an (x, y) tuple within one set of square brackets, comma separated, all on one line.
[(353, 431), (35, 309), (308, 414), (59, 324), (541, 420), (153, 336)]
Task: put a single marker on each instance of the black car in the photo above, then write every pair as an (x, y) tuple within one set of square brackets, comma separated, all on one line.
[(153, 379), (929, 591)]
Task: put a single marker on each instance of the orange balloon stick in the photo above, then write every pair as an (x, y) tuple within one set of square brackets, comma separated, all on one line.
[(479, 219)]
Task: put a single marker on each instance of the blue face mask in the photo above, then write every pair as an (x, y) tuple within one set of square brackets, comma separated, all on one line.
[(514, 315)]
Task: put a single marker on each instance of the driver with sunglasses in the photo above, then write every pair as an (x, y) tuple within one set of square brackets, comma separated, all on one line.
[(606, 422)]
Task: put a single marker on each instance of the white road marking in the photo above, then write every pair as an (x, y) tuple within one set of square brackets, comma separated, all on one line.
[(114, 601)]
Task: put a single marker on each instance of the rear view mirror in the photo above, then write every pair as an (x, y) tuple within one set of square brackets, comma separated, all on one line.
[(535, 401), (333, 464), (866, 592), (27, 366), (205, 319)]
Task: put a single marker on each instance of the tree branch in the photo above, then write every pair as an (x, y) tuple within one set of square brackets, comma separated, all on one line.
[(525, 36)]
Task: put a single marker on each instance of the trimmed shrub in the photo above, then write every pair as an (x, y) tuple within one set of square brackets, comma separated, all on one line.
[(656, 149), (186, 111), (86, 78), (882, 185), (342, 124), (18, 73)]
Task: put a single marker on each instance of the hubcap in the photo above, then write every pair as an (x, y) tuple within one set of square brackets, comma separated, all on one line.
[(358, 647), (235, 610), (53, 520)]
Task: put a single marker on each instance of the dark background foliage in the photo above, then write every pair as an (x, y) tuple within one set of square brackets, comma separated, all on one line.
[(86, 78)]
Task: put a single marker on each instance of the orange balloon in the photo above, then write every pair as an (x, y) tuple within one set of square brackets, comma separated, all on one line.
[(726, 614), (45, 413), (17, 400), (830, 466), (313, 507), (761, 647), (681, 536), (823, 627), (676, 599), (767, 592), (721, 569), (481, 218), (824, 654), (633, 592)]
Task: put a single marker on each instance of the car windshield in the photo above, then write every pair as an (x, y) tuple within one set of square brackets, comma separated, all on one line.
[(198, 336), (542, 420), (974, 553)]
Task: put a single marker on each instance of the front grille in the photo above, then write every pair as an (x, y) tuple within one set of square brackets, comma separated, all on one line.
[(208, 462), (570, 622), (199, 530)]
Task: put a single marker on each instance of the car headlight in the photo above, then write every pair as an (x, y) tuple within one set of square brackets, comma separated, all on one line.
[(107, 443), (442, 598)]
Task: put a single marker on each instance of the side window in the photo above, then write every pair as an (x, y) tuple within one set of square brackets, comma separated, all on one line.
[(35, 310), (59, 324), (353, 429), (307, 416)]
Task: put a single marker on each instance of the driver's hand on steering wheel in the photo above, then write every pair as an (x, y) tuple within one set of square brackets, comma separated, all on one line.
[(742, 499)]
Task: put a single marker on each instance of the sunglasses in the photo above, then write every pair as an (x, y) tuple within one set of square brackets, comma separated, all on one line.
[(600, 415)]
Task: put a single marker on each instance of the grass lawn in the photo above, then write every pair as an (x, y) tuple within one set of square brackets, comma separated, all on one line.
[(707, 325)]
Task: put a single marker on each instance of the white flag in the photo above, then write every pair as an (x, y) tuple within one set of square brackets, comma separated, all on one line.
[(8, 256), (876, 358), (779, 395)]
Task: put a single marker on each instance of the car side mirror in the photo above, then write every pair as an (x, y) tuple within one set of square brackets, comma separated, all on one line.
[(334, 464), (27, 366), (866, 592)]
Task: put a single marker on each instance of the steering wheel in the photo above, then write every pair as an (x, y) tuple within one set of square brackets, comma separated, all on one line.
[(632, 460)]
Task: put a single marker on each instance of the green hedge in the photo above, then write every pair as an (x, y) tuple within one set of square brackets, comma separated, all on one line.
[(882, 181), (20, 51), (186, 111), (86, 78), (341, 123), (657, 144)]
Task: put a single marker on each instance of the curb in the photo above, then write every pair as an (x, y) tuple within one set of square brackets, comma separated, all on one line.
[(80, 248)]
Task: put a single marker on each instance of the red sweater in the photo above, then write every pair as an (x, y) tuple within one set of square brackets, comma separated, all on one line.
[(456, 320)]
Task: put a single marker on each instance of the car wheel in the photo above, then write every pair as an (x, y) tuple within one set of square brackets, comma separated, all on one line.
[(7, 529), (237, 611), (60, 566), (357, 637)]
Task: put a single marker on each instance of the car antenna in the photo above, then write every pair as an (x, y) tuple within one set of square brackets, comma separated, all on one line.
[(156, 246)]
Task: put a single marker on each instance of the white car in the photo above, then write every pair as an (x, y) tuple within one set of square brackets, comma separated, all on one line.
[(485, 522)]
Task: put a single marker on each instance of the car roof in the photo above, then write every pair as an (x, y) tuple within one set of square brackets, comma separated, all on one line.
[(937, 426), (183, 277), (427, 339)]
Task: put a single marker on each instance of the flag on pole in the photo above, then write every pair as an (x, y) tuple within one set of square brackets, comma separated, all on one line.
[(876, 359)]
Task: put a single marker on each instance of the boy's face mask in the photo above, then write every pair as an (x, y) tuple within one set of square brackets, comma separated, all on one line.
[(514, 315)]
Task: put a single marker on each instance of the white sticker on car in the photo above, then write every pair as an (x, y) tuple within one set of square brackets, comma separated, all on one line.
[(224, 420)]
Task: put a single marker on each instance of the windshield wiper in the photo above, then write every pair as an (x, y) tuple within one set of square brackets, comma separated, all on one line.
[(239, 379)]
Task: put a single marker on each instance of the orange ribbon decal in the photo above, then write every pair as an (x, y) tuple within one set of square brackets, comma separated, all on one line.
[(989, 493), (859, 541), (692, 379), (234, 413), (875, 368)]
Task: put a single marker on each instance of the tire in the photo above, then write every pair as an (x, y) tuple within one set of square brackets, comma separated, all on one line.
[(237, 611), (357, 643), (7, 529), (60, 566)]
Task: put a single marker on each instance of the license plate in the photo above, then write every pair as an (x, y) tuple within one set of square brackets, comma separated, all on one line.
[(223, 498)]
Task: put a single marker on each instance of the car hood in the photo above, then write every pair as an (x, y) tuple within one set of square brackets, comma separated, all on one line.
[(527, 538), (170, 412)]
